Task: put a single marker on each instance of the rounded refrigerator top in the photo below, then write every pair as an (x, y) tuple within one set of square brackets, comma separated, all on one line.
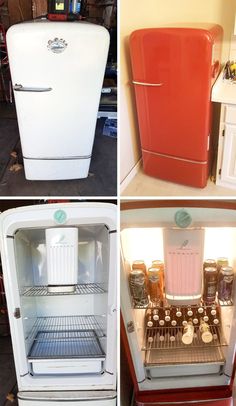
[(51, 26)]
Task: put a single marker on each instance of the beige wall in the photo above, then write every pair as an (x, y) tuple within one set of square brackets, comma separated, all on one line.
[(136, 14)]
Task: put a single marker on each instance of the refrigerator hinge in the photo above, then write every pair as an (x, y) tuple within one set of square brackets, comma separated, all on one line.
[(219, 171), (223, 133), (16, 313), (130, 327)]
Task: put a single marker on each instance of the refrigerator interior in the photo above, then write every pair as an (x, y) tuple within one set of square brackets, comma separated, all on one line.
[(65, 331), (156, 358)]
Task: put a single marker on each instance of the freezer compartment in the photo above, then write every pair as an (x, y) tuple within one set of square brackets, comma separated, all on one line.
[(66, 345), (91, 264)]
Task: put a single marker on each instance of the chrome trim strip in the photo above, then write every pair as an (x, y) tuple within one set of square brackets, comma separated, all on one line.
[(59, 159), (70, 396), (20, 88), (147, 84), (176, 158)]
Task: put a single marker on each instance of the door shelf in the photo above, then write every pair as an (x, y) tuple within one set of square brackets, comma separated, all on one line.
[(69, 325), (155, 333), (66, 344), (80, 289)]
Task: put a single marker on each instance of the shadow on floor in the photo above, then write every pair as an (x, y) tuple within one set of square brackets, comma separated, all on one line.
[(102, 179), (8, 388)]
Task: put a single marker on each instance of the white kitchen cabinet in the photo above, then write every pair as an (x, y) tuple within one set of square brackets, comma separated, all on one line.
[(226, 161), (224, 92)]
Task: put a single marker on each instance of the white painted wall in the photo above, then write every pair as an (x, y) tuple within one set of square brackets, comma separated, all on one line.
[(136, 14)]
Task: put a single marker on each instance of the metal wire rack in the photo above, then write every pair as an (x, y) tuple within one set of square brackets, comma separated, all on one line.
[(160, 349), (185, 356), (159, 338), (67, 324), (66, 344), (164, 304), (81, 289)]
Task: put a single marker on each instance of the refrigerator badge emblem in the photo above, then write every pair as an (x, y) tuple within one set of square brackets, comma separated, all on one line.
[(60, 216), (57, 45)]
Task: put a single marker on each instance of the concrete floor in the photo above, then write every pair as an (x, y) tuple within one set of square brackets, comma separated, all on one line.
[(8, 388), (102, 179), (144, 185)]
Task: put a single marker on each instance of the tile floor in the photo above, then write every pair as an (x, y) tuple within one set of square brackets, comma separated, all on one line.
[(144, 185)]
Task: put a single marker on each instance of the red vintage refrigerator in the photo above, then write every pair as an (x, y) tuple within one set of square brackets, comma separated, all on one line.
[(170, 372), (173, 72)]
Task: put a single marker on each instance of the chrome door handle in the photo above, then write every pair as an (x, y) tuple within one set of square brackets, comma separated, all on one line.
[(147, 84), (20, 88)]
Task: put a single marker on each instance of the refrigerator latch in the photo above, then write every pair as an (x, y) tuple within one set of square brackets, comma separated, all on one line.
[(130, 327), (16, 313)]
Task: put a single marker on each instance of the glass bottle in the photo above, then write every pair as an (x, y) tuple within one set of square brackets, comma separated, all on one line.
[(155, 314), (209, 263), (139, 264), (148, 317), (157, 263), (167, 316), (189, 311), (154, 285), (221, 262), (196, 316), (205, 331), (200, 310), (188, 332)]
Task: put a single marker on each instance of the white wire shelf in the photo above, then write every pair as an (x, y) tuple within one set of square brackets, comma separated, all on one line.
[(186, 356), (159, 338), (80, 289), (66, 344), (66, 325)]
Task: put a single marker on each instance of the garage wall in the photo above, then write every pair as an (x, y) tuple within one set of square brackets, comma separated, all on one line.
[(140, 14)]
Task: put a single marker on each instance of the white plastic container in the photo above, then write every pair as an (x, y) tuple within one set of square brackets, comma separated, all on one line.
[(62, 258), (183, 251)]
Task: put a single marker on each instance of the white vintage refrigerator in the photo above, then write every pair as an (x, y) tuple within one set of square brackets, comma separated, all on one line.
[(59, 266), (57, 71), (183, 235)]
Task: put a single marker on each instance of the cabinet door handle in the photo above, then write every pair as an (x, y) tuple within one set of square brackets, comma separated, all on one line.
[(20, 88), (147, 84)]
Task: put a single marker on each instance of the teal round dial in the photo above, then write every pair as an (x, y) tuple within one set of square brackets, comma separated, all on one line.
[(183, 218), (60, 216)]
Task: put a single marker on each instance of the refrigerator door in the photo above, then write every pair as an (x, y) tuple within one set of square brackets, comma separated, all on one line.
[(107, 398), (172, 71), (57, 73)]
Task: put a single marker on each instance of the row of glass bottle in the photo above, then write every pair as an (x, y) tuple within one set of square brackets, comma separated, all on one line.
[(182, 321)]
